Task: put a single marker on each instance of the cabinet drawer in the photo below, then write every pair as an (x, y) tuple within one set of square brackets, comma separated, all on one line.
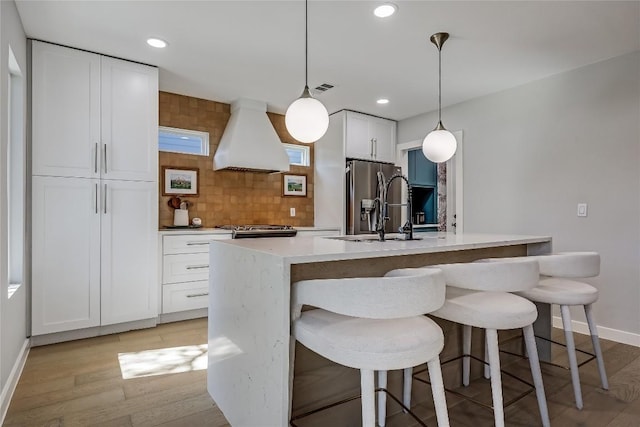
[(185, 296), (190, 244), (185, 268)]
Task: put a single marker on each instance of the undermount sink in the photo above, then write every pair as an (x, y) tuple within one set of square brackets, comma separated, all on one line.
[(372, 238)]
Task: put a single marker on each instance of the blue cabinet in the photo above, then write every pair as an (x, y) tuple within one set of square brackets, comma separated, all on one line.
[(423, 176), (422, 171)]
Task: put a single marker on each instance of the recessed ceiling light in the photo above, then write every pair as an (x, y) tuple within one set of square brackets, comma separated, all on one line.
[(156, 43), (385, 10), (382, 101)]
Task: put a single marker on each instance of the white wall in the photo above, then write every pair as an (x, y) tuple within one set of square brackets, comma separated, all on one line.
[(13, 312), (533, 152)]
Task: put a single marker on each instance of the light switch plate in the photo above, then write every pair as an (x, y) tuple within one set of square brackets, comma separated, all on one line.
[(292, 212), (582, 209)]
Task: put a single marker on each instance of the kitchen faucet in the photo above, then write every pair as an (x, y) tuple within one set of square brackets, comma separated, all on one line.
[(405, 230)]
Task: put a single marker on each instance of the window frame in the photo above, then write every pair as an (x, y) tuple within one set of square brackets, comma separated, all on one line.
[(304, 149), (189, 133)]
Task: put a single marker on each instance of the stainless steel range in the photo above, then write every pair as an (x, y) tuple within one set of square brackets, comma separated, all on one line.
[(258, 230)]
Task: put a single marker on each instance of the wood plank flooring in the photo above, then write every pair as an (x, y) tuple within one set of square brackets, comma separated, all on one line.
[(80, 383)]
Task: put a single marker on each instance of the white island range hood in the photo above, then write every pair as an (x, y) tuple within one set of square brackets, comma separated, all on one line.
[(249, 141)]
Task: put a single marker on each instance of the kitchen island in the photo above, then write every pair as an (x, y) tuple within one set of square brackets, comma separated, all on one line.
[(249, 312)]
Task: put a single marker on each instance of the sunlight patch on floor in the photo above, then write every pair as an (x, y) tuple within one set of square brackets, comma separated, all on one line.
[(163, 361)]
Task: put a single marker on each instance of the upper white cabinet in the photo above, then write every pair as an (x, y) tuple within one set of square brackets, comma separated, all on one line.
[(65, 112), (369, 138), (93, 116), (129, 131)]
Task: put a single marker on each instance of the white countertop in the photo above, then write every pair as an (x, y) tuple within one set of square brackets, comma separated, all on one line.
[(301, 250), (203, 230)]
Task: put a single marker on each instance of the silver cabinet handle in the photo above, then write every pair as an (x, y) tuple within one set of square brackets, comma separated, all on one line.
[(95, 159), (204, 294), (96, 197), (375, 148), (105, 159), (371, 147), (197, 243), (105, 198), (194, 267)]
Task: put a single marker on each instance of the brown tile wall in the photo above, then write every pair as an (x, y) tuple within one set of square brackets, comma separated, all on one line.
[(229, 197)]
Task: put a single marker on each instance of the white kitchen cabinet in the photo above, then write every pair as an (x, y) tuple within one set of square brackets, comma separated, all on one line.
[(185, 270), (95, 190), (369, 138), (129, 241), (65, 111), (66, 254), (94, 253), (93, 116)]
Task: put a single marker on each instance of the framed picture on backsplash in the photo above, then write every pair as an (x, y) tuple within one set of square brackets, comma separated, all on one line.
[(294, 185), (182, 181)]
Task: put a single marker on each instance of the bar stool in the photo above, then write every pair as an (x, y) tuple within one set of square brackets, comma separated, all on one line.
[(478, 294), (555, 287), (373, 324)]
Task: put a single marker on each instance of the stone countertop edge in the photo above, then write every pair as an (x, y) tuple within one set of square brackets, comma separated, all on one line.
[(203, 230), (304, 250)]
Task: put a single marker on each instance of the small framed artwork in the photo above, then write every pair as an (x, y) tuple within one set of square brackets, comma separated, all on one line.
[(182, 181), (294, 185)]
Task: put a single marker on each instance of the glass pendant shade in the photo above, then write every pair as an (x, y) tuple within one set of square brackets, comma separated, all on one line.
[(307, 119), (439, 145)]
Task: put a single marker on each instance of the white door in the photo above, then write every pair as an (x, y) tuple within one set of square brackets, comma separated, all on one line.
[(455, 189), (358, 145), (66, 111), (129, 285), (129, 121), (66, 254), (384, 134)]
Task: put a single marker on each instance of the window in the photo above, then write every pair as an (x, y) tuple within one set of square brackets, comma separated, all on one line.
[(15, 171), (298, 154), (184, 141)]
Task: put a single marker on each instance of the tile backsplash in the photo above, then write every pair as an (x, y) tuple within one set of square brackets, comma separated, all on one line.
[(229, 197)]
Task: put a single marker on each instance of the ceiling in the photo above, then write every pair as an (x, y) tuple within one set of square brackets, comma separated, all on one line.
[(223, 50)]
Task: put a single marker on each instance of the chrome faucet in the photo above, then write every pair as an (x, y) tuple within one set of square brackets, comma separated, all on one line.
[(406, 230)]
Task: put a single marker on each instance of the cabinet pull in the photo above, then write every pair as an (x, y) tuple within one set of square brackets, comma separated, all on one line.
[(194, 267), (375, 148), (105, 198), (197, 243), (96, 197), (95, 159), (105, 159), (204, 294), (371, 147)]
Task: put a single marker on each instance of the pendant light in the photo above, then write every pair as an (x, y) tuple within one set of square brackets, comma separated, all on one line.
[(307, 120), (440, 144)]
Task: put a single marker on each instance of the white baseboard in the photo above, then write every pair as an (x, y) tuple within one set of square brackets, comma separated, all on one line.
[(616, 335), (12, 381)]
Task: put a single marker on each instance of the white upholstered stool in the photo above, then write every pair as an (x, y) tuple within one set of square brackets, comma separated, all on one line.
[(373, 324), (556, 287), (478, 294)]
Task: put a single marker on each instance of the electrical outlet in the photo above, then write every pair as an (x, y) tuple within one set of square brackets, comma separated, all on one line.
[(582, 209), (292, 212)]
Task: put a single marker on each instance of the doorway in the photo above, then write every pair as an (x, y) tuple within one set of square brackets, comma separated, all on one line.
[(450, 184)]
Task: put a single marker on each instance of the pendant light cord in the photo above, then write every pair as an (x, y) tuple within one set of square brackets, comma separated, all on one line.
[(439, 84), (306, 44)]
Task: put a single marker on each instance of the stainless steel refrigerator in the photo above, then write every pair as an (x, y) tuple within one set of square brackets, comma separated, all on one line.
[(362, 189)]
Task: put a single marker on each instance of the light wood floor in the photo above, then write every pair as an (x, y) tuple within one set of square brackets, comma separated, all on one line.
[(80, 383)]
